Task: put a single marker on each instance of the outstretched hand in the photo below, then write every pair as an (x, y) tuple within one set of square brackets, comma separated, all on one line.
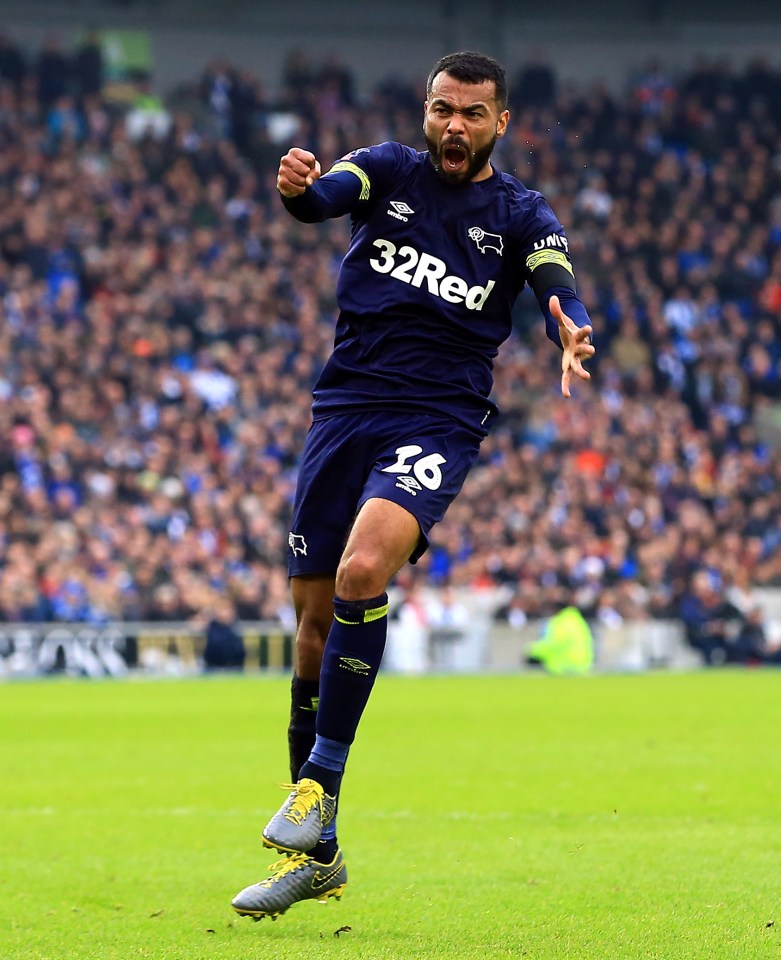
[(298, 169), (576, 344)]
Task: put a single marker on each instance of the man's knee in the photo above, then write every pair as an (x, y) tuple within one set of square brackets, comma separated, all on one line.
[(361, 575)]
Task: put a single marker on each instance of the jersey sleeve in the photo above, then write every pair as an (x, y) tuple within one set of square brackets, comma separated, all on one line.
[(548, 269), (350, 186), (545, 250)]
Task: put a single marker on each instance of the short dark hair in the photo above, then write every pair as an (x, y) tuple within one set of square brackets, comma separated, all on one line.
[(471, 67)]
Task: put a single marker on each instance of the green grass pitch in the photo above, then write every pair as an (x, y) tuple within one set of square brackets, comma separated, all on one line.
[(483, 817)]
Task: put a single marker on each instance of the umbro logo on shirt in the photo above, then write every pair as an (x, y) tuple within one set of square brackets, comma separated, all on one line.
[(401, 210)]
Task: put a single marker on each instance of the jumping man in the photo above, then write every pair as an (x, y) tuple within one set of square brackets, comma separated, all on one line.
[(442, 244)]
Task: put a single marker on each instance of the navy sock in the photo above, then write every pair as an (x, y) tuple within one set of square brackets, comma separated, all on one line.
[(301, 736), (325, 850), (351, 660), (303, 717)]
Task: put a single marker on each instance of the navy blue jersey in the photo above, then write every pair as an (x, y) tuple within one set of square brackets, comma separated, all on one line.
[(426, 289)]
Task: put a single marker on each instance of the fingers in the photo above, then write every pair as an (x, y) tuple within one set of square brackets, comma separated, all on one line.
[(298, 169), (314, 174), (570, 333), (566, 372), (582, 332), (580, 370), (584, 350), (571, 363), (578, 334), (574, 353), (576, 346)]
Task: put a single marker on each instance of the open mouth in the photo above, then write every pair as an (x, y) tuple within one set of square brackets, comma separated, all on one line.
[(454, 158)]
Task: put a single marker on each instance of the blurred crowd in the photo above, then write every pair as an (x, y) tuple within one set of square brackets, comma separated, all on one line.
[(163, 322)]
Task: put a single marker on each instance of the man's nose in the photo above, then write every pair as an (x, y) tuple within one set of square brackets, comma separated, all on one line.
[(456, 124)]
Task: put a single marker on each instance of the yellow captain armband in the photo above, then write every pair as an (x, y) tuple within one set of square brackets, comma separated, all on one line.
[(346, 166), (539, 257)]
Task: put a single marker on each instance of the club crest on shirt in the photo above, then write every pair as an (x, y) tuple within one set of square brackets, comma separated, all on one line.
[(485, 240)]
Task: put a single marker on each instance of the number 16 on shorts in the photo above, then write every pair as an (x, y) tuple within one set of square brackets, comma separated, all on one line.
[(415, 471)]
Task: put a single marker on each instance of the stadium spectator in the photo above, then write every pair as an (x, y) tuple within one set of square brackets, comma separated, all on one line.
[(299, 77), (536, 83), (751, 645), (13, 67), (88, 66), (51, 73), (566, 645), (712, 623), (224, 648), (335, 71)]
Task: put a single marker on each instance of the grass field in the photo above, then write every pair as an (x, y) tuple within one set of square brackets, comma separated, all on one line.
[(603, 817)]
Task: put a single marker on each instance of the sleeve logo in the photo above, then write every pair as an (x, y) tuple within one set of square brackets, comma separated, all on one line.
[(552, 240)]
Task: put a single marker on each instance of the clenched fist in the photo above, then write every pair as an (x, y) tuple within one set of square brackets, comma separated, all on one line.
[(298, 169)]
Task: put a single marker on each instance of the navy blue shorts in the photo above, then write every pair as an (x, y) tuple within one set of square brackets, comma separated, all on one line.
[(419, 462)]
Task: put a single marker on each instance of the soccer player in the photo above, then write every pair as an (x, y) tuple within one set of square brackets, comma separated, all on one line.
[(442, 244)]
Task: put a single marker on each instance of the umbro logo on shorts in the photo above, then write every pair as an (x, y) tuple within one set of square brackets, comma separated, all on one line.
[(410, 484)]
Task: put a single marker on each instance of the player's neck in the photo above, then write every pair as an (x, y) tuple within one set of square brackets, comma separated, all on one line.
[(485, 174)]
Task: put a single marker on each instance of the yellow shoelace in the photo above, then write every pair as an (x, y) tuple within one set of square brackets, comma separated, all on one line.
[(308, 795), (284, 866)]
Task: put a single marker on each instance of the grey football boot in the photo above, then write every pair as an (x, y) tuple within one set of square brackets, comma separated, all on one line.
[(294, 878), (297, 825)]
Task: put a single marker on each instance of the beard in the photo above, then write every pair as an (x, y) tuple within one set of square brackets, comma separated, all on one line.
[(475, 160)]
